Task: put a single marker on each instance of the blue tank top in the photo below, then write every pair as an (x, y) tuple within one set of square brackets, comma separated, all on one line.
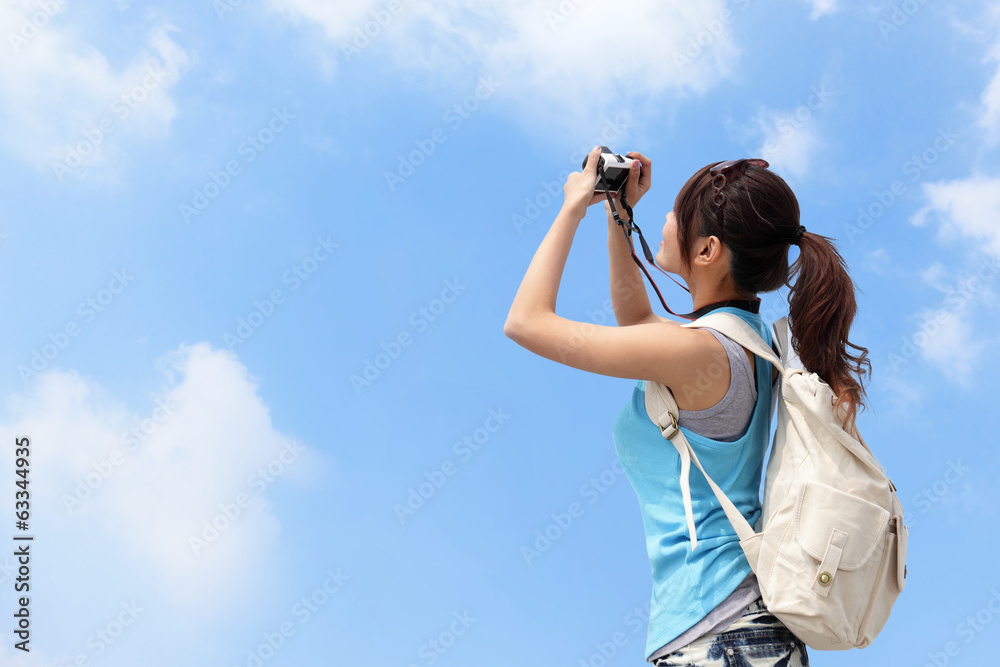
[(688, 584)]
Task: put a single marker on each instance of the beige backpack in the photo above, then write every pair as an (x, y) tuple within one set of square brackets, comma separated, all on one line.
[(831, 557)]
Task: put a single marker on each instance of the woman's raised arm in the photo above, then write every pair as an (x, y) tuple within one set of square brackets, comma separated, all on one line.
[(628, 292)]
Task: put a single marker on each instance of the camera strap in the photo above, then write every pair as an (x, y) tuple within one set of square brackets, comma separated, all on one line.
[(628, 226)]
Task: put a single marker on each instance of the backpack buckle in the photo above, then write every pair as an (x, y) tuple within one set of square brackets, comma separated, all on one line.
[(669, 430)]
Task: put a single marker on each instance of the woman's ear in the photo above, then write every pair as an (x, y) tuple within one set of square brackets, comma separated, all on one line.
[(708, 249)]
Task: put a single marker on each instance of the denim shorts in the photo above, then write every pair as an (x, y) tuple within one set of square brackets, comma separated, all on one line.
[(756, 639)]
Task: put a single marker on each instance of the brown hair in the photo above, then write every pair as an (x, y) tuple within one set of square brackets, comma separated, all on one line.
[(760, 217)]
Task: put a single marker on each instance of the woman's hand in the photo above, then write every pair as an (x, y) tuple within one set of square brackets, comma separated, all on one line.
[(638, 182), (579, 188), (639, 178)]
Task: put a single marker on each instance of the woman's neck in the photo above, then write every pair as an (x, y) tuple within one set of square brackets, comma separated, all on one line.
[(703, 295)]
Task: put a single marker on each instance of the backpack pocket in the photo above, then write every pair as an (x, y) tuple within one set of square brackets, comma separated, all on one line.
[(824, 513), (832, 550)]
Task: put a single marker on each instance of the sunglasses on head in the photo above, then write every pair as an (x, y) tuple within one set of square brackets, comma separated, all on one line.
[(719, 181)]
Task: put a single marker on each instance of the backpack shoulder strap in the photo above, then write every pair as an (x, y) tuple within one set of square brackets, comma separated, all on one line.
[(734, 327), (662, 408), (780, 336)]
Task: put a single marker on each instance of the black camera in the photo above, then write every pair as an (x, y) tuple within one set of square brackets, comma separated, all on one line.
[(616, 170)]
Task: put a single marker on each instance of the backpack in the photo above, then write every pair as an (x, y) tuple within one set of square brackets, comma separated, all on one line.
[(830, 559)]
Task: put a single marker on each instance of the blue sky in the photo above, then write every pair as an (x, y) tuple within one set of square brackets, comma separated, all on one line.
[(219, 216)]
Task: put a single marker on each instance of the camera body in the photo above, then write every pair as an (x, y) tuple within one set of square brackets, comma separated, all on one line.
[(616, 170)]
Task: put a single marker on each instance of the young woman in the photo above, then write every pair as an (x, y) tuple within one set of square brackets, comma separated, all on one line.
[(728, 237)]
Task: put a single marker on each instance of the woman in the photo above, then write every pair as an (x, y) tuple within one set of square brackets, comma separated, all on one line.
[(728, 238)]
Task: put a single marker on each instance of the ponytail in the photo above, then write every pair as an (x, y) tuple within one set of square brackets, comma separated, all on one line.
[(821, 308), (760, 221)]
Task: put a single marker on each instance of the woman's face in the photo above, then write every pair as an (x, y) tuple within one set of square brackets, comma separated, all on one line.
[(669, 257)]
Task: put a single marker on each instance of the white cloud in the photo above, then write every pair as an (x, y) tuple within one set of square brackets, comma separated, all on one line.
[(966, 211), (821, 7), (789, 139), (565, 60), (947, 339), (944, 337), (906, 396), (13, 656), (966, 208), (200, 444), (877, 261), (935, 275), (56, 89), (789, 151)]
